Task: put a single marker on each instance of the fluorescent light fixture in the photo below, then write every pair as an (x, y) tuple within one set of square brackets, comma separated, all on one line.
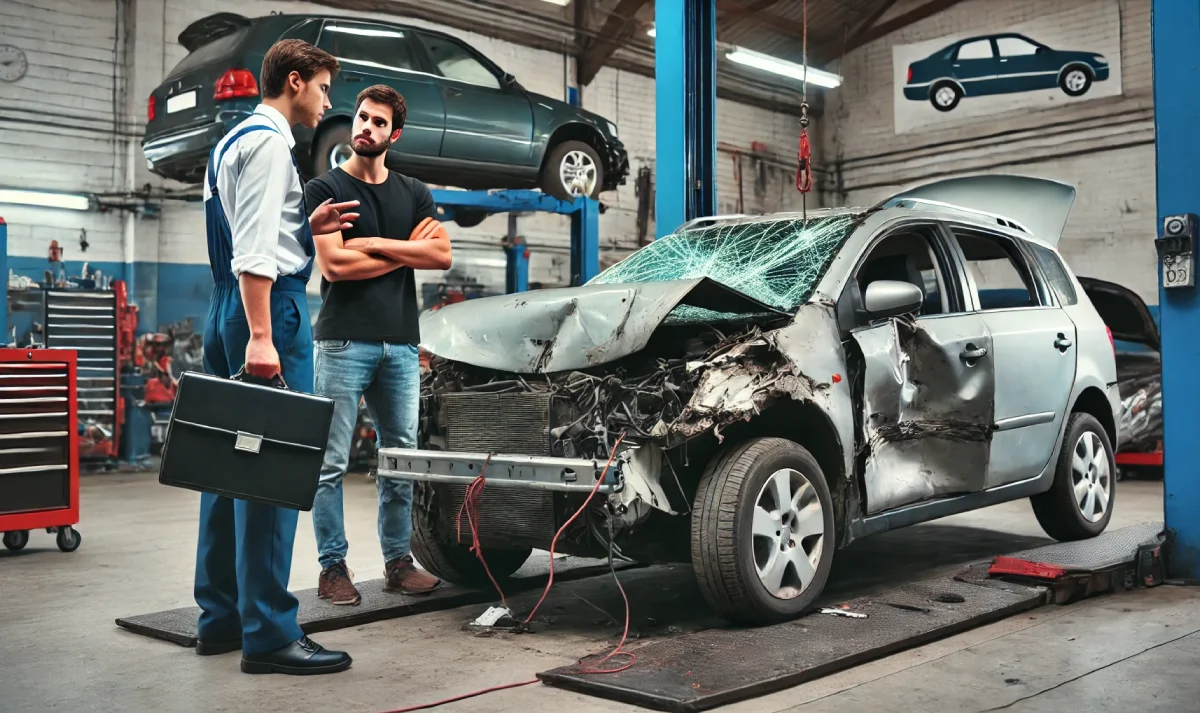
[(45, 199), (651, 31), (563, 3), (767, 63)]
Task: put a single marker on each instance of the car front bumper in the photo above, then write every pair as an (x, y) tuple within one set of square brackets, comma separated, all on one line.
[(616, 158), (565, 475)]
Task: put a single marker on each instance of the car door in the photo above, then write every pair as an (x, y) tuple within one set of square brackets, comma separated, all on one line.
[(488, 119), (926, 383), (1019, 66), (975, 67), (376, 53), (1033, 340)]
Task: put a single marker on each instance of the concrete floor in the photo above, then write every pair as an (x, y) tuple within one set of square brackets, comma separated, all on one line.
[(61, 650)]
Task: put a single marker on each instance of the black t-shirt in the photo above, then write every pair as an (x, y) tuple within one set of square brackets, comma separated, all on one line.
[(383, 308)]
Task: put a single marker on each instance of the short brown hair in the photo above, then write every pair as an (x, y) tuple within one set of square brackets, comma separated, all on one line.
[(384, 94), (287, 56)]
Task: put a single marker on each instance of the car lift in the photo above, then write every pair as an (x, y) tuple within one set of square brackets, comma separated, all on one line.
[(1174, 27), (585, 227)]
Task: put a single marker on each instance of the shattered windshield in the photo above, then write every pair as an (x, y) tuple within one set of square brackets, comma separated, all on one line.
[(776, 262)]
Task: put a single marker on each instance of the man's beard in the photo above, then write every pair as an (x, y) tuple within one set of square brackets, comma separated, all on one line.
[(369, 150)]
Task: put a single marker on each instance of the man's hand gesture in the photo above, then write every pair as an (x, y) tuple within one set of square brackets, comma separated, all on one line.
[(330, 217)]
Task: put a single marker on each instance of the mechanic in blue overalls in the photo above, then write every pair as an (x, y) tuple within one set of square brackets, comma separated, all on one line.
[(260, 248)]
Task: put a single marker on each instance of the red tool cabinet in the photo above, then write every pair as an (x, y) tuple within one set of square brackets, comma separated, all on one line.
[(39, 446)]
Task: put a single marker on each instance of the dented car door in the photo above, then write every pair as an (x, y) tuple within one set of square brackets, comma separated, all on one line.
[(928, 392)]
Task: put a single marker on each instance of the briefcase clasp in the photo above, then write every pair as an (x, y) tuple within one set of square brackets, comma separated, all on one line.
[(247, 442)]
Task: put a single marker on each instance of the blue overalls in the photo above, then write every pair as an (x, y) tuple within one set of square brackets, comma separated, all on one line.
[(244, 554)]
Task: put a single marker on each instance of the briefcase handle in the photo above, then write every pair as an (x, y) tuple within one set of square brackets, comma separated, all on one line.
[(275, 381)]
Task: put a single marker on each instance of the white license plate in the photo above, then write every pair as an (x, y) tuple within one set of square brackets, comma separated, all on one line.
[(180, 102)]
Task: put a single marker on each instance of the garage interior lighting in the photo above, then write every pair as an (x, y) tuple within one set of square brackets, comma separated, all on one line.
[(775, 65), (651, 31), (563, 3), (45, 199)]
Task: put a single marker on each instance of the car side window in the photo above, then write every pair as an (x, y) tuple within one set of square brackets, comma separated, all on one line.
[(1056, 274), (979, 49), (455, 61), (1002, 278), (1015, 47), (364, 46), (906, 256)]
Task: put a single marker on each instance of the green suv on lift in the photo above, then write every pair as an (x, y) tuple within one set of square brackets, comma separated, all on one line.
[(470, 123)]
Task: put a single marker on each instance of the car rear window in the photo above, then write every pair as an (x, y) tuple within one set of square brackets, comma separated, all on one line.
[(778, 262), (1056, 275), (214, 51)]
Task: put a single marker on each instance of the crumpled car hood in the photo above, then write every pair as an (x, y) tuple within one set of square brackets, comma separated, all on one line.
[(546, 331)]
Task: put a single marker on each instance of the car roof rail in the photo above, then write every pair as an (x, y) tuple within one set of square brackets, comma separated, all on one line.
[(710, 220), (951, 208)]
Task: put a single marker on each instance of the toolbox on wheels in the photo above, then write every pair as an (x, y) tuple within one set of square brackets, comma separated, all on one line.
[(39, 446)]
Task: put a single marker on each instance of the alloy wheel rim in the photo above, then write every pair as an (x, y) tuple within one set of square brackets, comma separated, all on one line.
[(789, 533), (578, 173), (945, 96), (339, 155), (1091, 476), (1076, 80)]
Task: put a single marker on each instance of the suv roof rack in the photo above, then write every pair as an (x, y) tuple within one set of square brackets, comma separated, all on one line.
[(951, 208)]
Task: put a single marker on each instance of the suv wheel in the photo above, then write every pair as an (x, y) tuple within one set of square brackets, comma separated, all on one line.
[(332, 148), (1075, 81), (445, 558), (572, 169), (1079, 503), (762, 532), (945, 96)]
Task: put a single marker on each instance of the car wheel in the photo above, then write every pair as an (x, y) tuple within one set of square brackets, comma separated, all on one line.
[(442, 555), (762, 532), (332, 148), (1079, 503), (467, 218), (945, 96), (1075, 81), (572, 169)]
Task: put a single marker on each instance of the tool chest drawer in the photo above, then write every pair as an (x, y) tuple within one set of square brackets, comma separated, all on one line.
[(37, 417)]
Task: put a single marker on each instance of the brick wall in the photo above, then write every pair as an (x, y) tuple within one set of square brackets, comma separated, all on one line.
[(1103, 147)]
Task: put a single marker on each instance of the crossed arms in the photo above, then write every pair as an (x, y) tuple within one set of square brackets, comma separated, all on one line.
[(427, 248)]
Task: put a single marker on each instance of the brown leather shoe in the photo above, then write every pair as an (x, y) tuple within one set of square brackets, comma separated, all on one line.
[(401, 575), (336, 586)]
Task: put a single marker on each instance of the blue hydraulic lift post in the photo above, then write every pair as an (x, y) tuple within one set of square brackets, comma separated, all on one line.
[(685, 88), (4, 276), (1175, 28)]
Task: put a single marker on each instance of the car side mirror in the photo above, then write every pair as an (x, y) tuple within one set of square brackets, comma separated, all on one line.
[(509, 80), (891, 298)]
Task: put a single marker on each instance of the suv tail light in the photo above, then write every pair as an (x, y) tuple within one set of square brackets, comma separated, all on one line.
[(150, 108), (906, 81), (236, 84)]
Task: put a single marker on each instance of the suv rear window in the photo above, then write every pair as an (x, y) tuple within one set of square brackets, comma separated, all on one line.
[(217, 50), (1056, 274)]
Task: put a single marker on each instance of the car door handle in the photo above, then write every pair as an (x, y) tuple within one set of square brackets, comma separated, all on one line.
[(1062, 343), (454, 91), (971, 353), (352, 77)]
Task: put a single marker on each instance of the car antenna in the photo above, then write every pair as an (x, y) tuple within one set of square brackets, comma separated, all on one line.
[(804, 180)]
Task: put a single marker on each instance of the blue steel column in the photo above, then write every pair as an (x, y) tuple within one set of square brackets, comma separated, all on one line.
[(685, 69), (1176, 48), (585, 241), (4, 276)]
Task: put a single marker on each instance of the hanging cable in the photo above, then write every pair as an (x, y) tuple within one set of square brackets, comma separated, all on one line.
[(804, 181)]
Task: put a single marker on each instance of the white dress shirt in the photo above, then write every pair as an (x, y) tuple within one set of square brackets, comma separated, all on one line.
[(261, 194)]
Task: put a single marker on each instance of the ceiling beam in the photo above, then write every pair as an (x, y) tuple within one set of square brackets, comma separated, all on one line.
[(868, 34), (727, 18), (618, 28)]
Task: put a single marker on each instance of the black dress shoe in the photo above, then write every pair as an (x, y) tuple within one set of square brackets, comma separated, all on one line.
[(300, 658), (215, 647)]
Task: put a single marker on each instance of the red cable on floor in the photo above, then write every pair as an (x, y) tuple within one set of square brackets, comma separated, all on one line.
[(470, 508)]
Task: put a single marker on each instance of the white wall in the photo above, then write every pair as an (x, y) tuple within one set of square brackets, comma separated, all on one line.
[(70, 45), (1103, 147)]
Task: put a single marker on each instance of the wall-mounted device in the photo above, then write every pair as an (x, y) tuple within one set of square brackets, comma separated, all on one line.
[(1177, 250)]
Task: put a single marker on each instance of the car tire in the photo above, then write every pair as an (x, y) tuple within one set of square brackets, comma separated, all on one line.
[(560, 160), (467, 218), (1067, 511), (333, 137), (446, 559), (944, 96), (1075, 81), (727, 553)]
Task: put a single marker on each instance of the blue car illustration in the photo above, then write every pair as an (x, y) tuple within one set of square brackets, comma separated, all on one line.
[(1000, 64)]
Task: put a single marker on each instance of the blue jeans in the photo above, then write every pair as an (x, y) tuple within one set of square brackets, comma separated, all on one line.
[(389, 376)]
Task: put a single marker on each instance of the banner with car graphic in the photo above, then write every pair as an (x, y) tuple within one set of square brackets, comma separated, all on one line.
[(1071, 55)]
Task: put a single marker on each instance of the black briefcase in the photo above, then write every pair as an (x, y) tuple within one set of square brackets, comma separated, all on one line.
[(246, 438)]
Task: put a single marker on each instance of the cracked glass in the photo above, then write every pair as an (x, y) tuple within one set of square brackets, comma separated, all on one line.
[(776, 262)]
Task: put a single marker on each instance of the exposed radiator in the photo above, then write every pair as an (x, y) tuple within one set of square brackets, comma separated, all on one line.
[(502, 423)]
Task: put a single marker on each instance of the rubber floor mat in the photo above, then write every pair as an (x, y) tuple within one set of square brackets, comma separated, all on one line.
[(716, 667), (179, 625)]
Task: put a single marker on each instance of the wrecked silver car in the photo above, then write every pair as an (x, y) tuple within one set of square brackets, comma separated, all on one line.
[(779, 386)]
